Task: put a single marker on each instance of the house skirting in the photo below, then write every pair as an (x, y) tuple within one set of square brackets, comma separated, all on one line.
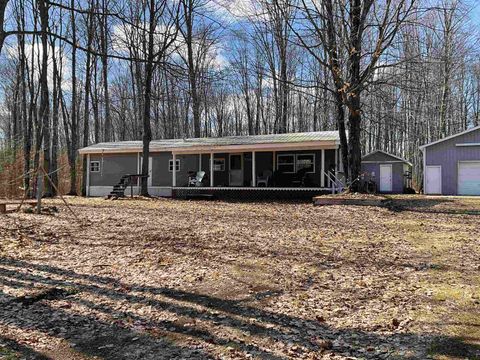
[(102, 191), (248, 193), (251, 193)]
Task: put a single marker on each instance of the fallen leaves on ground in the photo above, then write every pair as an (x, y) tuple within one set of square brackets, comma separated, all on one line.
[(163, 279)]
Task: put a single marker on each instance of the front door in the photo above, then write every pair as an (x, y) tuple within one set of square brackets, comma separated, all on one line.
[(433, 180), (385, 178), (236, 170)]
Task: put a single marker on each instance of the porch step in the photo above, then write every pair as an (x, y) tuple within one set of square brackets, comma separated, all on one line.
[(119, 189)]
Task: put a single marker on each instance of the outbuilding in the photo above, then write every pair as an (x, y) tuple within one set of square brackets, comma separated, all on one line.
[(452, 165), (390, 172)]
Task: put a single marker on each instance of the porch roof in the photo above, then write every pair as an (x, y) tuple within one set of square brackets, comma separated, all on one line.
[(291, 141)]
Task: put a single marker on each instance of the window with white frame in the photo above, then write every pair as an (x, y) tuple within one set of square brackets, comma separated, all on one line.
[(286, 163), (305, 161), (94, 166), (219, 164), (177, 165)]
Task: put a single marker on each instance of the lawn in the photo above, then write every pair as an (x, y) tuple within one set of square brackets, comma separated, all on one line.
[(165, 279)]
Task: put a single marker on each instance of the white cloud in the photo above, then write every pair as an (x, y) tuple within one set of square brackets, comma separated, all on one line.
[(235, 10), (35, 52)]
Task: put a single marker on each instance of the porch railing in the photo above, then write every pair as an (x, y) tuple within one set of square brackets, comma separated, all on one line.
[(334, 182)]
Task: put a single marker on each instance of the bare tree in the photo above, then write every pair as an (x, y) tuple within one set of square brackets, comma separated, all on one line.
[(44, 92), (163, 20), (341, 26)]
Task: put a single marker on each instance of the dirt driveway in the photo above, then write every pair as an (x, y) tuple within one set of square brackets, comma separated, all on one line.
[(168, 279)]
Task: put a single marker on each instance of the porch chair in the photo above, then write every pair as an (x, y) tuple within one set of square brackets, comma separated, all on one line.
[(264, 179), (299, 178), (197, 179)]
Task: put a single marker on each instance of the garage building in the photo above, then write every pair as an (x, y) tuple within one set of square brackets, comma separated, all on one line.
[(452, 165)]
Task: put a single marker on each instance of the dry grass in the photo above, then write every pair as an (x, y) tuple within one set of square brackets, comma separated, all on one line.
[(239, 280)]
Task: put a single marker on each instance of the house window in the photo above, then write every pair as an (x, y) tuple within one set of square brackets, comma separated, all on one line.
[(306, 161), (286, 163), (94, 166), (219, 164), (177, 165)]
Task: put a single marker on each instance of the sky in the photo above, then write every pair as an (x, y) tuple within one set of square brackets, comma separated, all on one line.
[(475, 10)]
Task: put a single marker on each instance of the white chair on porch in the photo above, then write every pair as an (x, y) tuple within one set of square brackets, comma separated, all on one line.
[(197, 179), (263, 179)]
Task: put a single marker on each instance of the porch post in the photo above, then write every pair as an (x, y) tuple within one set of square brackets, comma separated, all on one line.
[(274, 161), (174, 170), (200, 162), (139, 170), (211, 169), (322, 170), (88, 175), (254, 172), (336, 162)]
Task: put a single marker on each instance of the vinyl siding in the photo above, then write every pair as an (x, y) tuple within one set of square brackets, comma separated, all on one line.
[(398, 171), (160, 164), (447, 155), (112, 168)]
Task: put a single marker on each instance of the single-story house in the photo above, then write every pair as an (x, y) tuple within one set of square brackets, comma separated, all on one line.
[(391, 173), (452, 165), (282, 162)]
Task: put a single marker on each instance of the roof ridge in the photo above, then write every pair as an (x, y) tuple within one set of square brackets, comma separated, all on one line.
[(450, 137)]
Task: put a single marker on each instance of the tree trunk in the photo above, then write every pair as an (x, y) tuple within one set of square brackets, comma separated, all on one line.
[(86, 111), (55, 117), (342, 133), (108, 131), (95, 100), (27, 120), (354, 144), (72, 153), (3, 6), (147, 129), (188, 6), (353, 95), (44, 95)]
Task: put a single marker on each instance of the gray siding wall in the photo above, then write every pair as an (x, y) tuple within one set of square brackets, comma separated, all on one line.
[(115, 166), (112, 168), (398, 170), (161, 176), (447, 155)]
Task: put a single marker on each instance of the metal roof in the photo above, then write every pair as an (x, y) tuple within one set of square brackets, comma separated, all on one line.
[(388, 154), (158, 145), (450, 137)]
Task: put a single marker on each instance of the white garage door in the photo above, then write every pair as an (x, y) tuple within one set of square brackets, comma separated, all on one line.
[(433, 180), (469, 178)]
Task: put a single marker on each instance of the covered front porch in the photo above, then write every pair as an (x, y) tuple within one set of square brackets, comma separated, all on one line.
[(312, 169)]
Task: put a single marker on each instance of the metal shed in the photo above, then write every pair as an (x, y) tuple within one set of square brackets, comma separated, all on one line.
[(390, 172)]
